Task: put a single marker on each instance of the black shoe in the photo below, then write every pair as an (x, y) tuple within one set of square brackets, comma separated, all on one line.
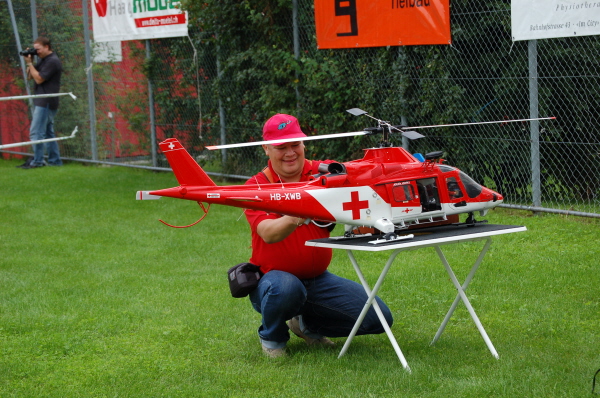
[(27, 163), (32, 166)]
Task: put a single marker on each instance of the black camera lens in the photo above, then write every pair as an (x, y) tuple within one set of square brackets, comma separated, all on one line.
[(28, 52)]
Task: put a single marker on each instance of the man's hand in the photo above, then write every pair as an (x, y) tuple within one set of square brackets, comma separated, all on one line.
[(32, 73), (276, 230), (28, 58), (28, 62)]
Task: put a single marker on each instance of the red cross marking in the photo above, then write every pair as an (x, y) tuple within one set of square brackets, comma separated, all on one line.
[(355, 205)]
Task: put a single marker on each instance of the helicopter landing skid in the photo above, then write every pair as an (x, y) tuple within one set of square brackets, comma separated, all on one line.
[(391, 239), (349, 236), (387, 238), (471, 221)]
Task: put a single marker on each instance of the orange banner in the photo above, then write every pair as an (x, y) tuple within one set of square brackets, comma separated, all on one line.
[(377, 23)]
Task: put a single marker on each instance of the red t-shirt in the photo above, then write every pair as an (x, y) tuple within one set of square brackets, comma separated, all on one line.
[(291, 254)]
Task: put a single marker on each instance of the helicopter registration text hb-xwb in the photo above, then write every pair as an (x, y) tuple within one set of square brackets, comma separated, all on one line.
[(388, 189)]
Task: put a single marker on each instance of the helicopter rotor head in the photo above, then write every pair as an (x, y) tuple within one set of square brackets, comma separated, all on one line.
[(384, 127)]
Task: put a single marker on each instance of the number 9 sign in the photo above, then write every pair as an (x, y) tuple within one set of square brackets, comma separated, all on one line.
[(378, 23)]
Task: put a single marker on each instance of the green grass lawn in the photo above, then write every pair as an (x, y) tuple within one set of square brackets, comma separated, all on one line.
[(99, 299)]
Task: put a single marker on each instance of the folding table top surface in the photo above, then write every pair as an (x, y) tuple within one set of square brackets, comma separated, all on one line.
[(431, 236)]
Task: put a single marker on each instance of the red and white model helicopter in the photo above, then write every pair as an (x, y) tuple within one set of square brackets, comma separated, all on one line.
[(388, 189)]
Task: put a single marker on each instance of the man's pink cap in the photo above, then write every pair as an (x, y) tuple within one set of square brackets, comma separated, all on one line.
[(282, 126)]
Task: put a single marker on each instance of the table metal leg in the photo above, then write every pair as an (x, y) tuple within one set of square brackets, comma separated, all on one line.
[(462, 296), (371, 301)]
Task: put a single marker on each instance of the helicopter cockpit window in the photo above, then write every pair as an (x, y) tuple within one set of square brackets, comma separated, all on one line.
[(444, 168), (428, 192), (454, 190), (473, 189), (403, 193)]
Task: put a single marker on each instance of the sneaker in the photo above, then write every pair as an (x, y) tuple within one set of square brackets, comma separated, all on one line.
[(32, 166), (26, 164), (274, 352), (294, 326)]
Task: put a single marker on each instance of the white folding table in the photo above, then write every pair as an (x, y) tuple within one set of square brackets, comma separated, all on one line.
[(427, 237)]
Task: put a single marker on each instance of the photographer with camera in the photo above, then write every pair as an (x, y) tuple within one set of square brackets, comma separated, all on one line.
[(46, 75)]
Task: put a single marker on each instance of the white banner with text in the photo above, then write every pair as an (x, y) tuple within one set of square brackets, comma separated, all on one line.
[(544, 19), (120, 20)]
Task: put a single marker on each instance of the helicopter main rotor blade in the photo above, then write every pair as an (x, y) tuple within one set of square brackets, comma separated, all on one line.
[(476, 123), (412, 135), (408, 134), (282, 141), (356, 111)]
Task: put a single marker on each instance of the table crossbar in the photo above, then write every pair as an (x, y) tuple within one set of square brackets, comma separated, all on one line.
[(459, 297), (371, 301)]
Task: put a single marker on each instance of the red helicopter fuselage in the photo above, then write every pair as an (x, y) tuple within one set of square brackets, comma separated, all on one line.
[(388, 189)]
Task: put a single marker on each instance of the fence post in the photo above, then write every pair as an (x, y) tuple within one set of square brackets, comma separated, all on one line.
[(296, 35), (34, 28), (221, 108), (405, 141), (34, 33), (19, 48), (535, 124), (151, 109), (90, 79), (403, 121), (223, 130)]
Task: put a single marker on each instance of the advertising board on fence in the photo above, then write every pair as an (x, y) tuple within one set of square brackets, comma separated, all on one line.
[(378, 23), (544, 19), (116, 20)]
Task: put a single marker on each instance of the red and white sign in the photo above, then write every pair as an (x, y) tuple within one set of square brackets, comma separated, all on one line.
[(377, 23), (119, 20)]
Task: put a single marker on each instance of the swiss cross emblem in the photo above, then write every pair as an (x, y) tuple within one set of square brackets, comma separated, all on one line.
[(171, 146), (355, 205)]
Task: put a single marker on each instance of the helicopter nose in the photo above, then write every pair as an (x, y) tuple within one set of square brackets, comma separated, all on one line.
[(492, 196)]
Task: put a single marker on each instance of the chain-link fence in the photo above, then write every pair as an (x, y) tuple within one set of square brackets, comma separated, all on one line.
[(249, 60)]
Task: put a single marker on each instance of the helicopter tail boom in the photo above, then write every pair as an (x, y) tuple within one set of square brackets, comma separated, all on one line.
[(186, 169), (146, 195)]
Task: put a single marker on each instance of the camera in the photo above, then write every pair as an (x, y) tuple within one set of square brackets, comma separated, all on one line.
[(28, 52)]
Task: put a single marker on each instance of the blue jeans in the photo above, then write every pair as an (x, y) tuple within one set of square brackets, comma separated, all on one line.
[(42, 127), (329, 306)]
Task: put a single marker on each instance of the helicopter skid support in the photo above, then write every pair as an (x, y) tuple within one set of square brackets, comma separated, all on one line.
[(376, 241), (392, 239)]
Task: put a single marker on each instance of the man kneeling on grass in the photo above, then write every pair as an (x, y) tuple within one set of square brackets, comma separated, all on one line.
[(296, 286)]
